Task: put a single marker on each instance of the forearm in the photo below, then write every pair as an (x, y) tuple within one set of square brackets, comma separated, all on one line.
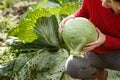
[(112, 43)]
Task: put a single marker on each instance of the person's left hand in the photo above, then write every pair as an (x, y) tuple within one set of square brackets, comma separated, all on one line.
[(98, 42)]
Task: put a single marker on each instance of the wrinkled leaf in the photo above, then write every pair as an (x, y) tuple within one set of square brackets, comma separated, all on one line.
[(47, 29), (44, 66), (24, 30)]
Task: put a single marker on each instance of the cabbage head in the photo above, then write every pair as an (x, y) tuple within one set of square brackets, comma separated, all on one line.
[(77, 32)]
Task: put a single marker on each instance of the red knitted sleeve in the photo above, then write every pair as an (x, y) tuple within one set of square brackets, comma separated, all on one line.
[(112, 43), (83, 11)]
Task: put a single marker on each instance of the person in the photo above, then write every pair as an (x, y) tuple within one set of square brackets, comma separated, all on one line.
[(104, 53)]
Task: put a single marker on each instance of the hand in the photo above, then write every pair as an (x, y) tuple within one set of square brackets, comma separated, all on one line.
[(61, 25), (98, 42)]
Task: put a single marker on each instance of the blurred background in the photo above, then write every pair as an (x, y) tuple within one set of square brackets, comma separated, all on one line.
[(10, 12)]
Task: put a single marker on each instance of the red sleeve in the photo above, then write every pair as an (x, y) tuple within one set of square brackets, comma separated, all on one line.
[(83, 11), (112, 43)]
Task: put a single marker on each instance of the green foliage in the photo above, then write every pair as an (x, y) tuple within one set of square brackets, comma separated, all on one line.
[(40, 65), (6, 70), (64, 2), (49, 4), (6, 56), (47, 30), (6, 3), (39, 52), (48, 66), (4, 25), (113, 74), (25, 30), (69, 8)]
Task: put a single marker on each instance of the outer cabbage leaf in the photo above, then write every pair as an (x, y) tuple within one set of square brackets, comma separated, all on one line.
[(69, 8), (40, 65), (44, 66), (47, 30), (24, 30)]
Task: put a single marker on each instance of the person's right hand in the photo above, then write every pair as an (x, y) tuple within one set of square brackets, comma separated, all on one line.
[(61, 25)]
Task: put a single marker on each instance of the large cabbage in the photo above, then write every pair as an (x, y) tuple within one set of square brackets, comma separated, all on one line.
[(77, 32)]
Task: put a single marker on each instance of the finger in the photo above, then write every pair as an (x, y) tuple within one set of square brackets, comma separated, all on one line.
[(89, 48), (93, 43), (61, 26), (98, 30)]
